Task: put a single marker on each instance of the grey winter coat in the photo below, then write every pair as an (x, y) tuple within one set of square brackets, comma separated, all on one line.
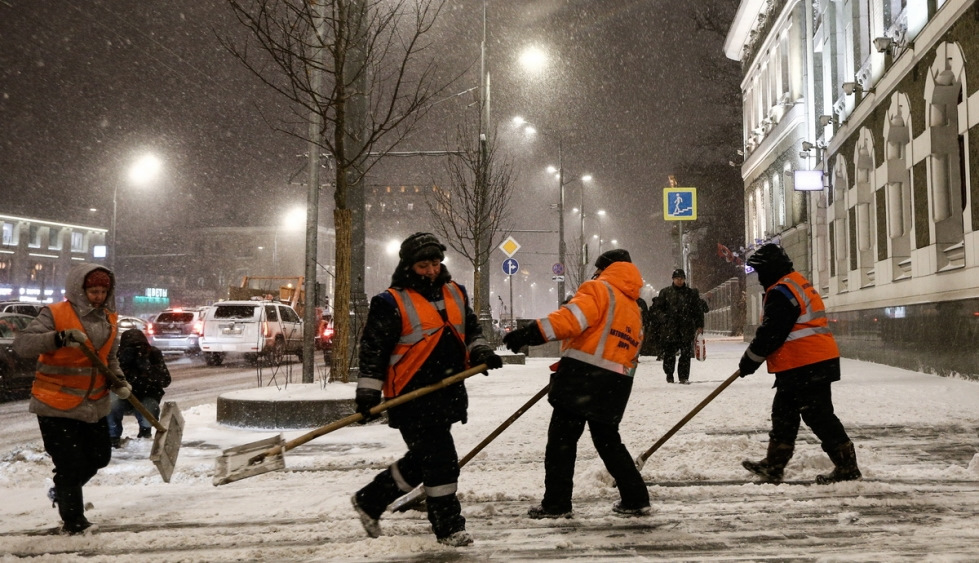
[(39, 338)]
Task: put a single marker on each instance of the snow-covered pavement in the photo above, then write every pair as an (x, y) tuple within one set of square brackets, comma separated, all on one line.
[(916, 438)]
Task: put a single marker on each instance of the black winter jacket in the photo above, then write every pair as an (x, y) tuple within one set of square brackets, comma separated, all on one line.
[(682, 313), (381, 333), (143, 365)]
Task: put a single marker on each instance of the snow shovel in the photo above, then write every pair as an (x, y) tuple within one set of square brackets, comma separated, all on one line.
[(166, 442), (408, 500), (641, 460), (264, 456)]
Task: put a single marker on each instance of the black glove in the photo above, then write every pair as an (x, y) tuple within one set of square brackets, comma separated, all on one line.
[(527, 336), (747, 365), (366, 400), (71, 337), (483, 354)]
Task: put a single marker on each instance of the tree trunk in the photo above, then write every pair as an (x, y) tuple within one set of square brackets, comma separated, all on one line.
[(340, 368)]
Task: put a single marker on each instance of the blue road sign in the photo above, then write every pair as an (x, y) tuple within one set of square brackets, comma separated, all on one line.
[(510, 266), (680, 204)]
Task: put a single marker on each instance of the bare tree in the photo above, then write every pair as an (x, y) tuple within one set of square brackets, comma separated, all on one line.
[(472, 213), (363, 71)]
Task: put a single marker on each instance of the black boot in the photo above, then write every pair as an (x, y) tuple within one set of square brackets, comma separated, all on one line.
[(445, 514), (72, 510), (374, 498), (845, 459), (772, 467)]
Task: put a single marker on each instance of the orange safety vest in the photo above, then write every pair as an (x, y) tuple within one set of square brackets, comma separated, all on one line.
[(611, 336), (810, 340), (65, 377), (421, 329)]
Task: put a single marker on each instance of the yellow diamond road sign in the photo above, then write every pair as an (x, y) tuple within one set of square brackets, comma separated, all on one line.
[(510, 247)]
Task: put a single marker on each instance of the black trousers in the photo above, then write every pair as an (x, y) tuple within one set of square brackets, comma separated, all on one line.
[(811, 402), (670, 350), (561, 452), (431, 460), (78, 449)]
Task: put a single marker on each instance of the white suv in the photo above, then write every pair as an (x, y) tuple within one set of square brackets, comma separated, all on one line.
[(267, 329)]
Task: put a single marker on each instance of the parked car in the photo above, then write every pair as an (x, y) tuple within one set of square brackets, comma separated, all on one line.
[(22, 307), (16, 373), (178, 330), (257, 329), (126, 323)]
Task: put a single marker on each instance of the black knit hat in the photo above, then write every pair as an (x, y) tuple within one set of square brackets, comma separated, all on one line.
[(679, 273), (421, 246), (612, 256), (770, 258)]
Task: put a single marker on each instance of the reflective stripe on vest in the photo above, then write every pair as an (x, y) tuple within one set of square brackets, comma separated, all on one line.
[(810, 340), (421, 329), (65, 376), (596, 358)]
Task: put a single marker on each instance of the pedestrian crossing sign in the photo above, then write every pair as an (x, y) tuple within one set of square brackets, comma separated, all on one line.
[(680, 204)]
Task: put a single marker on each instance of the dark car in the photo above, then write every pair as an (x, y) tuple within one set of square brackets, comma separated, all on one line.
[(16, 373), (177, 330)]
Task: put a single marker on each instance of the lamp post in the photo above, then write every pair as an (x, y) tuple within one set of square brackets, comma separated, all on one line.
[(143, 171), (530, 129), (582, 248)]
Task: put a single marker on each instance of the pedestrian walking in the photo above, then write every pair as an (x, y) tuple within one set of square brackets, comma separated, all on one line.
[(418, 332), (147, 372), (70, 396), (795, 340), (682, 315), (601, 332)]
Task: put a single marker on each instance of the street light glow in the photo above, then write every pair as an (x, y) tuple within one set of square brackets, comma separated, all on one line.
[(533, 59), (145, 169)]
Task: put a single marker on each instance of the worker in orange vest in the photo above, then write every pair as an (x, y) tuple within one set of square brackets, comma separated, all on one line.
[(601, 331), (795, 340), (70, 396), (418, 332)]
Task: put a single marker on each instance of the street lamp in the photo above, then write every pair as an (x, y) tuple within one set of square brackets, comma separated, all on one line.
[(141, 172), (582, 247), (530, 129), (293, 219)]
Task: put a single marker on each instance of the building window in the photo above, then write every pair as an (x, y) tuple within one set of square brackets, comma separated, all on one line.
[(77, 242), (9, 234), (34, 236), (54, 240)]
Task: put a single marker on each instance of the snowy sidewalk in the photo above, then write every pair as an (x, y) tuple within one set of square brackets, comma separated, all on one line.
[(916, 439)]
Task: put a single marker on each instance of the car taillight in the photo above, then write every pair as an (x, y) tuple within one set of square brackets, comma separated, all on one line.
[(198, 328), (327, 333), (266, 332), (149, 329)]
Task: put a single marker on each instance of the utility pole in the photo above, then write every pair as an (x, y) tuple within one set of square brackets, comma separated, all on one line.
[(312, 206), (483, 244)]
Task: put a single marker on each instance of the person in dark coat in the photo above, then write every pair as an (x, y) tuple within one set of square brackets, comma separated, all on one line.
[(680, 308), (601, 331), (148, 374), (425, 320), (795, 341)]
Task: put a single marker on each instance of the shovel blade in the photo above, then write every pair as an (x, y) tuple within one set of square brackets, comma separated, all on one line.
[(239, 463), (166, 445)]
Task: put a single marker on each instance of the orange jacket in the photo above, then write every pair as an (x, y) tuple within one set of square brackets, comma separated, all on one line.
[(65, 377), (810, 340), (421, 329), (602, 324)]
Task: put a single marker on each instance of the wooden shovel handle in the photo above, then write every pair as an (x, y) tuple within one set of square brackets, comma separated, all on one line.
[(116, 382), (642, 459), (313, 434)]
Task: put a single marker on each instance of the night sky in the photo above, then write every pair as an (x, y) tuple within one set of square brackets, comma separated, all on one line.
[(85, 87)]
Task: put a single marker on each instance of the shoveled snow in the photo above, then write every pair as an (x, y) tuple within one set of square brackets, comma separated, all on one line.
[(304, 513)]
